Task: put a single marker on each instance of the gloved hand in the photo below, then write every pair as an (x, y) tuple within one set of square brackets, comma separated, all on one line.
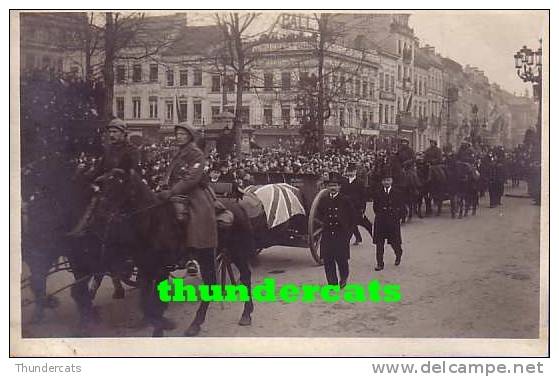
[(164, 195)]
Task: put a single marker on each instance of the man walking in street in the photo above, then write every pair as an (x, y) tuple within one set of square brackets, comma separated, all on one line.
[(354, 189), (338, 216), (388, 205)]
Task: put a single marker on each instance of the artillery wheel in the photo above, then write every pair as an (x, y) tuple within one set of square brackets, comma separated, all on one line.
[(315, 227)]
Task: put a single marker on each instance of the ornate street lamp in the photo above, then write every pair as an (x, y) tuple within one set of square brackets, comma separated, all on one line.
[(528, 66)]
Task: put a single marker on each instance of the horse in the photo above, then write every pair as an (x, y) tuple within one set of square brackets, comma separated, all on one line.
[(423, 194), (411, 185), (144, 229), (440, 186), (466, 188), (47, 218)]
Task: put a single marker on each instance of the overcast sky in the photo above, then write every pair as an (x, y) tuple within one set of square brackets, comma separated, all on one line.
[(485, 39)]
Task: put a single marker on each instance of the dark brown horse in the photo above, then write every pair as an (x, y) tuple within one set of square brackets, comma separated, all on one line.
[(144, 229)]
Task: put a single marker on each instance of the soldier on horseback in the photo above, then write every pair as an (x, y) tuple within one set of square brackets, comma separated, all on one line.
[(119, 154), (433, 154), (192, 199)]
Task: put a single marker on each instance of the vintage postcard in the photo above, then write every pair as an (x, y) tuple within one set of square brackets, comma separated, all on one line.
[(287, 183)]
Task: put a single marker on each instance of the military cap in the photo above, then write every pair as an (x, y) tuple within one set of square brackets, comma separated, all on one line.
[(188, 127), (117, 123)]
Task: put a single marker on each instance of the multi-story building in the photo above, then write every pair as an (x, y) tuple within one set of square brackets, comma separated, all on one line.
[(378, 82), (395, 41), (49, 41), (185, 83)]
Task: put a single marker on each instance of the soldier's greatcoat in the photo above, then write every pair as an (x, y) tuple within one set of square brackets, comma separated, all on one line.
[(338, 217), (185, 176)]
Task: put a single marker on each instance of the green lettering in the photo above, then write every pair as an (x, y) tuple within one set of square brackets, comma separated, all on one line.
[(232, 290), (164, 290), (354, 293), (179, 289), (326, 297), (289, 293), (309, 291), (215, 296), (374, 290), (392, 293), (265, 292)]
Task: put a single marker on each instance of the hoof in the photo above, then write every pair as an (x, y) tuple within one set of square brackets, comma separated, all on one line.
[(192, 330), (157, 333), (118, 294), (245, 320)]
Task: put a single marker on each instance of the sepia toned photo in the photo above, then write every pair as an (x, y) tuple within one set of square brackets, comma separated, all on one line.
[(287, 183)]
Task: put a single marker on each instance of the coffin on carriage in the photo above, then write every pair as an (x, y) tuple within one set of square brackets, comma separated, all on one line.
[(283, 209)]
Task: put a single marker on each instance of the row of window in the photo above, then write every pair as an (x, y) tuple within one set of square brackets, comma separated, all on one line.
[(355, 117), (137, 75), (181, 106)]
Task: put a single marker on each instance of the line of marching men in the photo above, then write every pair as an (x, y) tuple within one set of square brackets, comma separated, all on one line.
[(342, 210)]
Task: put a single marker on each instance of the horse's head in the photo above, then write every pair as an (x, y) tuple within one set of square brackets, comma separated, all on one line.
[(113, 191)]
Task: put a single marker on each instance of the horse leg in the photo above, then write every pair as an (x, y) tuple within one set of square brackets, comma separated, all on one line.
[(206, 258), (152, 307), (245, 278), (39, 266)]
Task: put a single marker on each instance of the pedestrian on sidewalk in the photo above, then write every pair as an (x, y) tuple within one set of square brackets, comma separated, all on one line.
[(388, 204), (337, 214)]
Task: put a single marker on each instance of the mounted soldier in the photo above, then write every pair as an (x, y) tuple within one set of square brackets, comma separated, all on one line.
[(433, 155), (187, 188), (118, 154)]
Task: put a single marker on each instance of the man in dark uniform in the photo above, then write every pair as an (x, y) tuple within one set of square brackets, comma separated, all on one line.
[(338, 216), (118, 154), (405, 154), (433, 154), (465, 153), (496, 179), (388, 205), (355, 190)]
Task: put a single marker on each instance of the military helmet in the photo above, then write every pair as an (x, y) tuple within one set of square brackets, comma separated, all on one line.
[(187, 127), (119, 124)]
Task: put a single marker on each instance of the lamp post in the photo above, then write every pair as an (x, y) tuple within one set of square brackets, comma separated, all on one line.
[(528, 66)]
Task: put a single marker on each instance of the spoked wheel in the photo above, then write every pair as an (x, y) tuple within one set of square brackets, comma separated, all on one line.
[(315, 227)]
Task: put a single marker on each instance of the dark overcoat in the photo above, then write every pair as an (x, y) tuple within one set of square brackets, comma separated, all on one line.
[(338, 217), (388, 209), (185, 176), (357, 193)]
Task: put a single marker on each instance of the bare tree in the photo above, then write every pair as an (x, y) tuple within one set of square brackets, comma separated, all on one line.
[(319, 92), (238, 53)]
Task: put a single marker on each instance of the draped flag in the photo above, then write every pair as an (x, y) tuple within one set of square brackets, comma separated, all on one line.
[(281, 202)]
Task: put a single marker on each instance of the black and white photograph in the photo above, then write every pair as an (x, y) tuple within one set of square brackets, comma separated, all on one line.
[(343, 178)]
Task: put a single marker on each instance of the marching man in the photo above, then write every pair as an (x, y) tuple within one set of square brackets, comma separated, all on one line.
[(388, 205), (338, 217)]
